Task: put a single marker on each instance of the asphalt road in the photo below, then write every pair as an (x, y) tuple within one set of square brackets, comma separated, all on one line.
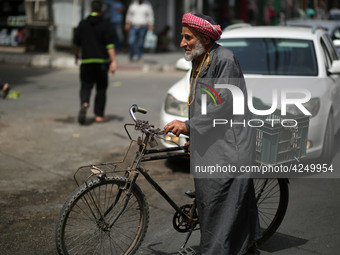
[(41, 145)]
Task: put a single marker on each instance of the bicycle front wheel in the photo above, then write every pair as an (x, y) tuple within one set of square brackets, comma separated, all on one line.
[(85, 221), (272, 201)]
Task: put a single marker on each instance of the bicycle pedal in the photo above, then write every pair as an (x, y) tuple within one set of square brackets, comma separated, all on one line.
[(187, 251)]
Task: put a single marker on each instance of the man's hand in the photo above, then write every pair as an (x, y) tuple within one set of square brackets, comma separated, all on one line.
[(127, 26), (176, 127), (150, 27), (187, 145), (113, 67), (76, 55), (113, 64)]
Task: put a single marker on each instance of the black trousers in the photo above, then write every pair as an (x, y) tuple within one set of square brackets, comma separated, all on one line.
[(90, 75)]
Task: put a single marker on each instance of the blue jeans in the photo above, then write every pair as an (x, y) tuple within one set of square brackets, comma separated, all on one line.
[(136, 41), (120, 37)]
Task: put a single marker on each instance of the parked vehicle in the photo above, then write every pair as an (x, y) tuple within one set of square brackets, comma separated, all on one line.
[(334, 14), (331, 26), (276, 59)]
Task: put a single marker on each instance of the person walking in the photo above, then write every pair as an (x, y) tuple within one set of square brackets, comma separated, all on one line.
[(94, 38), (115, 10), (226, 204), (269, 13), (139, 19)]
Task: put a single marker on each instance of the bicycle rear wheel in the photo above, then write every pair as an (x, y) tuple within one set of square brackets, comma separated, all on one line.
[(272, 200), (83, 226)]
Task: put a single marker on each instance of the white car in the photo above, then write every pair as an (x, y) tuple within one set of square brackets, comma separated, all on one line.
[(331, 26), (279, 58)]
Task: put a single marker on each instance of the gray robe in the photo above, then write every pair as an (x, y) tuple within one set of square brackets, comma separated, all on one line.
[(226, 203)]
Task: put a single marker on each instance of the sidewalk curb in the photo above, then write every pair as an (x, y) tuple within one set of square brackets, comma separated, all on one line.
[(67, 61)]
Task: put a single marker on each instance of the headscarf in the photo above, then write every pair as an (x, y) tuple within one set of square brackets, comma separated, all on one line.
[(204, 24)]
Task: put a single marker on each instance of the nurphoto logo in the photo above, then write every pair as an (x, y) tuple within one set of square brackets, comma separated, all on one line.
[(239, 103)]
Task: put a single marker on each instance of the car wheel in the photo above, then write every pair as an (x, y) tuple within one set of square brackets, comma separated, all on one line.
[(328, 143)]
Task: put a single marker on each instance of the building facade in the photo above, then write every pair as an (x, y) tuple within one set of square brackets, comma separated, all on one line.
[(39, 25)]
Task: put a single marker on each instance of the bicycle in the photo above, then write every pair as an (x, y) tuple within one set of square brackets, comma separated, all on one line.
[(108, 213)]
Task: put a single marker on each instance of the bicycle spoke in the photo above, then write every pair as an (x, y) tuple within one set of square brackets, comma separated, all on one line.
[(272, 200), (87, 231), (83, 244)]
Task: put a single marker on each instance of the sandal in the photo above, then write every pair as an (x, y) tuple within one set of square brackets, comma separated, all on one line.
[(100, 119)]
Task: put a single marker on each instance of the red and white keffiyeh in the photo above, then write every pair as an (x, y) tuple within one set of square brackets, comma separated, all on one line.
[(202, 25)]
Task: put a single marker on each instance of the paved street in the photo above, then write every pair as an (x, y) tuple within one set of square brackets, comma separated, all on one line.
[(41, 145)]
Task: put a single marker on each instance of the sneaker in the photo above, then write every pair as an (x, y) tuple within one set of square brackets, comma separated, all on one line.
[(82, 115)]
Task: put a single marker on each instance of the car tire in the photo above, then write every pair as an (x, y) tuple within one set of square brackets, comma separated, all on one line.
[(328, 143)]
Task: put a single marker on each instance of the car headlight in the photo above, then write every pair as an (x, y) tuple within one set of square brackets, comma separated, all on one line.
[(313, 106), (175, 107)]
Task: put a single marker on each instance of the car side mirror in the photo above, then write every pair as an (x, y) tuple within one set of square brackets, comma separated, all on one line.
[(183, 65), (335, 68), (336, 43)]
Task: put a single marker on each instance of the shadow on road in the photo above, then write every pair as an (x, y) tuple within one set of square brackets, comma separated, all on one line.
[(280, 242), (25, 75), (151, 250), (179, 165), (73, 119)]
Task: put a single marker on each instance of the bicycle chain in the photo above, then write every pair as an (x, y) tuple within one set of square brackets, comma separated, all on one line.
[(182, 225)]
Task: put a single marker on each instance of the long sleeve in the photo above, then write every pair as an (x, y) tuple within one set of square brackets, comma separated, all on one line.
[(150, 15), (129, 14), (76, 37)]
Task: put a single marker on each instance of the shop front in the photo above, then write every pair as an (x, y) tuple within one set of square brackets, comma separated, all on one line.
[(12, 26), (25, 25)]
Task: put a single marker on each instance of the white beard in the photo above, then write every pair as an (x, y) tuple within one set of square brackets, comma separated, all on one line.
[(196, 52)]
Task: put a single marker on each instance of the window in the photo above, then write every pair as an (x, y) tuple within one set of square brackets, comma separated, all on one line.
[(274, 56)]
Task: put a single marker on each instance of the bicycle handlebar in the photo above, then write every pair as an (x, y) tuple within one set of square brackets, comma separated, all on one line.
[(144, 126), (134, 108)]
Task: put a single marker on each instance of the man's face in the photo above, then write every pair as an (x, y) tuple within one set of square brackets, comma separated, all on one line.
[(191, 44)]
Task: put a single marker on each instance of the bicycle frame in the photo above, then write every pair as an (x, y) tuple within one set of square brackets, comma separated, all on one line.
[(144, 155)]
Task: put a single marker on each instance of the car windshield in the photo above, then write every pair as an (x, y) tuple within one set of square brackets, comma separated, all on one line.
[(274, 56)]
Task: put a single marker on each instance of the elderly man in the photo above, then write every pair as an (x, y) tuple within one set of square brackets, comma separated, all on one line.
[(226, 203)]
